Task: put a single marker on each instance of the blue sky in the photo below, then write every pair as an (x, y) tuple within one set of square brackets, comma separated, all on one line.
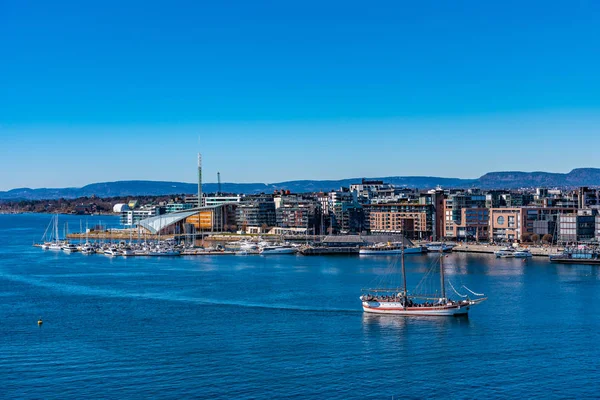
[(273, 91)]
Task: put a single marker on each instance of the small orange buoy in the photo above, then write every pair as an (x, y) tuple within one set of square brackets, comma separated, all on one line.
[(40, 322)]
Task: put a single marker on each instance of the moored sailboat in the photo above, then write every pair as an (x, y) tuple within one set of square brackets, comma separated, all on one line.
[(52, 240), (397, 301)]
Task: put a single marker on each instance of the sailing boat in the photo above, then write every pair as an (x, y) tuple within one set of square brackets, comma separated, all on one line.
[(397, 301), (54, 242), (87, 248)]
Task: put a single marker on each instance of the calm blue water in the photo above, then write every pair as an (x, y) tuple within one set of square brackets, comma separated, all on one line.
[(283, 327)]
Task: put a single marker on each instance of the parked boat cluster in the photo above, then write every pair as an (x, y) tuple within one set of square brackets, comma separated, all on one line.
[(170, 248), (344, 245), (119, 249)]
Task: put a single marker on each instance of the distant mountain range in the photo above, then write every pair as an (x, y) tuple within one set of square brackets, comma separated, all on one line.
[(492, 180)]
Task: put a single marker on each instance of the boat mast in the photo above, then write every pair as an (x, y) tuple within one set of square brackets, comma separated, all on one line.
[(56, 238), (403, 273), (403, 268), (443, 285)]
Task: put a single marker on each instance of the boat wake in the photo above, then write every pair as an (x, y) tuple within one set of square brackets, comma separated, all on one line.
[(175, 297)]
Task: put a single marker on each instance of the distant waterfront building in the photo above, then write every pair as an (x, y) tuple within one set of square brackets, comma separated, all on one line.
[(345, 212), (120, 207), (474, 225), (540, 194), (495, 198), (221, 199), (348, 217), (174, 207), (587, 197), (363, 192), (217, 218), (411, 219), (131, 218), (208, 201), (435, 198), (517, 199), (580, 227), (296, 211), (453, 206), (512, 223), (256, 211), (194, 221)]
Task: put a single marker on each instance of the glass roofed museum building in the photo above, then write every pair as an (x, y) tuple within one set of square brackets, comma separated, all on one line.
[(205, 219)]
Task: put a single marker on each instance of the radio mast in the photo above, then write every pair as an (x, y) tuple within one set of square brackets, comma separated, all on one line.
[(199, 180)]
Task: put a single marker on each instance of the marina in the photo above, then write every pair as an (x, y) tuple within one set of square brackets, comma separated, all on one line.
[(132, 243)]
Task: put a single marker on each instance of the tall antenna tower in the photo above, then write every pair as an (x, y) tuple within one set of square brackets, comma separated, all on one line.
[(219, 183), (199, 180)]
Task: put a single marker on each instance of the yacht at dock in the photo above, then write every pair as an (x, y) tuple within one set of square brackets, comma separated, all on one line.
[(439, 246), (69, 248), (388, 249), (283, 249)]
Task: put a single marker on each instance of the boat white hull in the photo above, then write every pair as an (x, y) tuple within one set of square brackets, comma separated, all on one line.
[(396, 308), (505, 255), (372, 252), (437, 248), (512, 255), (278, 251)]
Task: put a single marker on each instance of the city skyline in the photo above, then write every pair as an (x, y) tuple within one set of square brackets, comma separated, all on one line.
[(274, 92)]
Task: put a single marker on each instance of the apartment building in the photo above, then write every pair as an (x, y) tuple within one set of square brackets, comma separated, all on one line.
[(510, 223), (413, 219)]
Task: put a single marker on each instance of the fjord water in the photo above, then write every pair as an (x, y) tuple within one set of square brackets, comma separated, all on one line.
[(283, 327)]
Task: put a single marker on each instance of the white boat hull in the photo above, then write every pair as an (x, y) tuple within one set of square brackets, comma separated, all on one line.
[(278, 251), (439, 247), (513, 254), (396, 308), (382, 252), (505, 255)]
